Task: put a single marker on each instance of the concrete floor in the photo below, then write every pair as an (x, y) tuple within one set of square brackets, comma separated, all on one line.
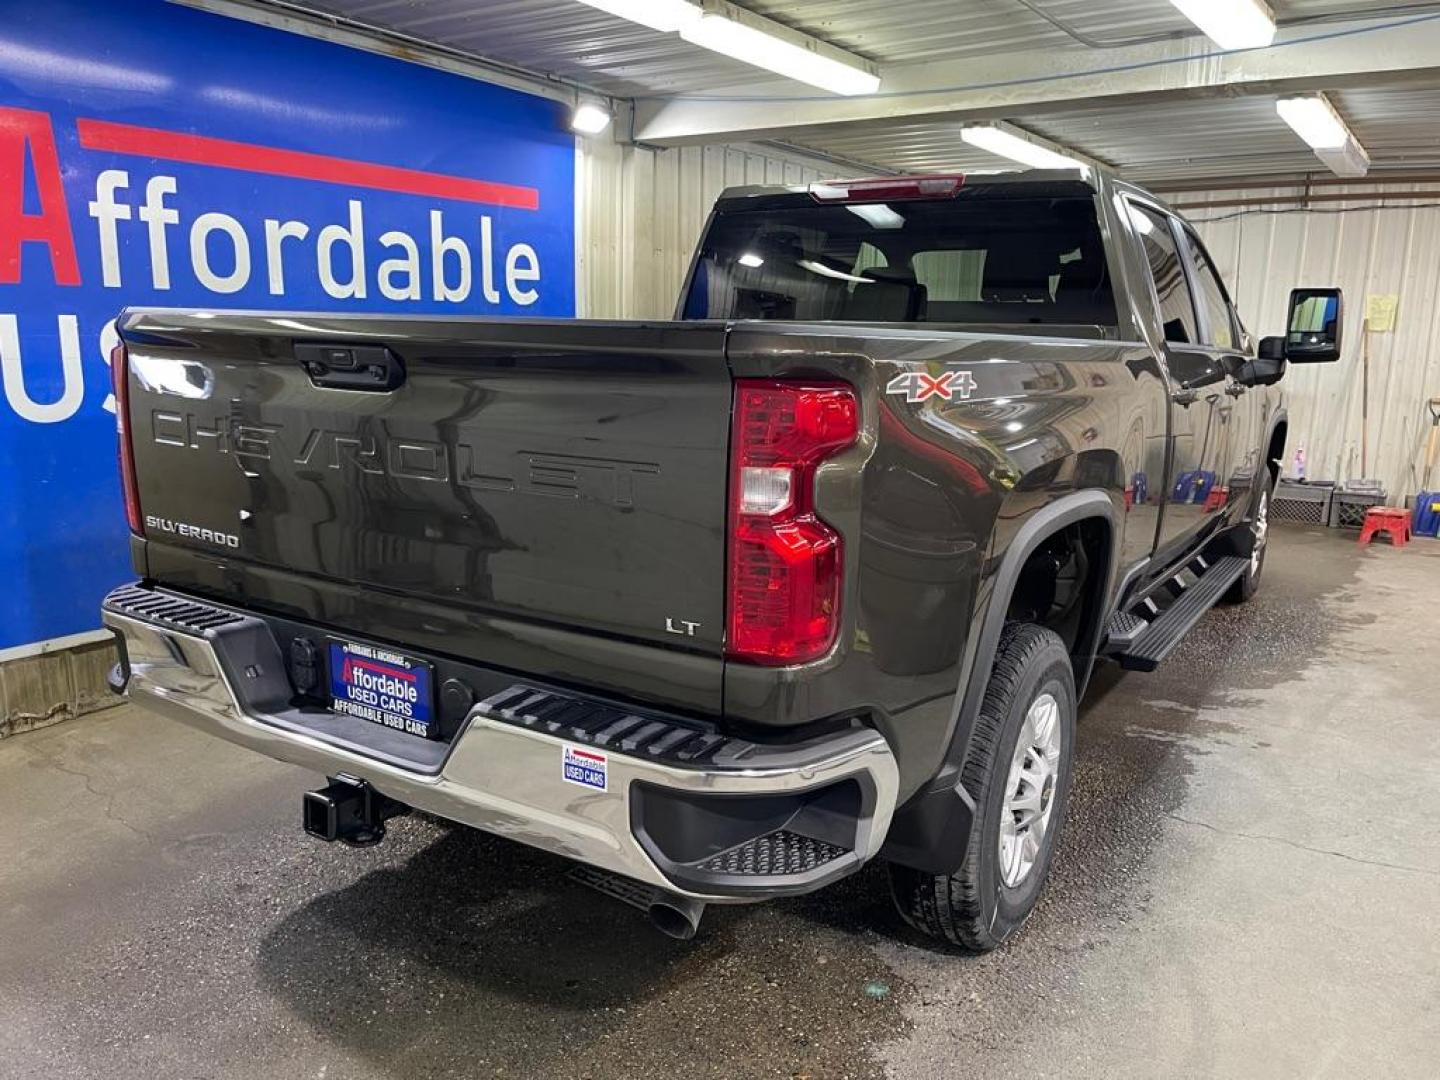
[(1249, 885)]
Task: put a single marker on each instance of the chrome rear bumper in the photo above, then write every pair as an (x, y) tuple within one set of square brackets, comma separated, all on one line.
[(659, 820)]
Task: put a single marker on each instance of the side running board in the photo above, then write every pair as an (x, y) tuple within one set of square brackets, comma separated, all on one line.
[(1139, 640)]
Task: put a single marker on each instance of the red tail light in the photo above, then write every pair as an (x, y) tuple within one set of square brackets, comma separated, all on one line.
[(120, 377), (786, 563)]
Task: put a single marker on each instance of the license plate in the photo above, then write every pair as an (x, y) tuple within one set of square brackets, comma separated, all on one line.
[(383, 687)]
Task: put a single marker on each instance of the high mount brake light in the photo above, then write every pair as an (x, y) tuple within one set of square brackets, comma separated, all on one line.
[(786, 563), (120, 380), (888, 189)]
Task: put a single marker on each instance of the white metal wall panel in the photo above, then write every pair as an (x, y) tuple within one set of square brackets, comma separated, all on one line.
[(1366, 250), (640, 212)]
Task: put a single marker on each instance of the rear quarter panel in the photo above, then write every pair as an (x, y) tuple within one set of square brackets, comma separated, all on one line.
[(931, 498)]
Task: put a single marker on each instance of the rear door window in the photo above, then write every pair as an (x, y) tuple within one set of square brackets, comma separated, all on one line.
[(1167, 273), (1219, 327)]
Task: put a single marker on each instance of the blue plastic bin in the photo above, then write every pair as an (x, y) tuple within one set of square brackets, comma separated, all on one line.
[(1427, 514)]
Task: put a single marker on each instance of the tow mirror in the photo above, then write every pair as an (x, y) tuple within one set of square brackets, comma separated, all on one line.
[(1315, 327), (1268, 367)]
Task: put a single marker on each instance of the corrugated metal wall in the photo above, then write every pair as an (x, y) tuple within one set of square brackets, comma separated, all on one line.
[(1366, 250), (641, 210)]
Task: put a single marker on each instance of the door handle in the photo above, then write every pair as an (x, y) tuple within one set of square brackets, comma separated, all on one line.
[(1185, 396), (351, 367)]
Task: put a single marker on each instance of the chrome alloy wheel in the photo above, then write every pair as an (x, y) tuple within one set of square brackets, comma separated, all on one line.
[(1261, 528), (1030, 790)]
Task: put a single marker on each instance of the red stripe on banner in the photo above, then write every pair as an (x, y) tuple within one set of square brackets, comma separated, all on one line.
[(248, 157)]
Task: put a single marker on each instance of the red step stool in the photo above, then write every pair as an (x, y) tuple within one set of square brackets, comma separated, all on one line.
[(1391, 520)]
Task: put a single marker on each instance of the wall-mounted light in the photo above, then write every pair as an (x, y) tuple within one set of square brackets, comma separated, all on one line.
[(1231, 24), (751, 260), (590, 118)]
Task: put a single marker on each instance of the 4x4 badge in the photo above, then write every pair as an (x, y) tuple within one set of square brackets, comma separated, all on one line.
[(920, 386)]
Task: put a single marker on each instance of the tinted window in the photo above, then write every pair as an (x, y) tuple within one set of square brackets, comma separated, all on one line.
[(979, 258), (1177, 309), (1219, 331)]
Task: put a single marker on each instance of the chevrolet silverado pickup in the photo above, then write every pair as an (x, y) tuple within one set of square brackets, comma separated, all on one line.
[(721, 608)]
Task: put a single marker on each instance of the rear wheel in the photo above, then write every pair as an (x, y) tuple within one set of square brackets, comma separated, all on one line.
[(1019, 773), (1249, 582)]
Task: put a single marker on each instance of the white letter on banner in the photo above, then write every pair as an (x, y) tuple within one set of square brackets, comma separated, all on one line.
[(157, 216), (354, 239), (204, 225), (487, 262), (276, 232), (408, 264), (106, 211), (516, 271), (440, 246), (14, 374)]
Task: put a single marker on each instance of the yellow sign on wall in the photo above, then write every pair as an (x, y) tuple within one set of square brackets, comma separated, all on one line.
[(1380, 312)]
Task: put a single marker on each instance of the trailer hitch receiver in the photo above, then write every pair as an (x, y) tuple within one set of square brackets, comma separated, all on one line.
[(349, 810)]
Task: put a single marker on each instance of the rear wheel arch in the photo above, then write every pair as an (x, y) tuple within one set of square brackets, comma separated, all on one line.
[(925, 829), (1091, 513)]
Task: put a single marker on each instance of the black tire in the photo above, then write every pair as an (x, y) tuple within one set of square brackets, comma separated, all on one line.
[(973, 907), (1248, 583)]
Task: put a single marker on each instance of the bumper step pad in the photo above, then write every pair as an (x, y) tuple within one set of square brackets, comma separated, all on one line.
[(188, 616), (779, 852), (591, 723)]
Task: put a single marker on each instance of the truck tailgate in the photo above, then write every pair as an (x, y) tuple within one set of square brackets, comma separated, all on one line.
[(561, 472)]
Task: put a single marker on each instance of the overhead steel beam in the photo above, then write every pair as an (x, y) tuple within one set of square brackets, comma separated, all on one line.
[(1332, 56), (299, 18)]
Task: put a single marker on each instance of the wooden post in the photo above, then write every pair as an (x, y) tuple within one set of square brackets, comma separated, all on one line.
[(1365, 400)]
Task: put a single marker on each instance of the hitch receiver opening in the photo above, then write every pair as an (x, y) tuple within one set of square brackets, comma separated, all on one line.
[(349, 810)]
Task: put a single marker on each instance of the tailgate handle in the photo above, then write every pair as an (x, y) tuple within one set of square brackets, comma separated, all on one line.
[(351, 367)]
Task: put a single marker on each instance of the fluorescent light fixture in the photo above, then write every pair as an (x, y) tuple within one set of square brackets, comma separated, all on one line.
[(751, 260), (997, 140), (1314, 120), (1349, 160), (802, 62), (879, 215), (825, 271), (1231, 24), (667, 16), (589, 118)]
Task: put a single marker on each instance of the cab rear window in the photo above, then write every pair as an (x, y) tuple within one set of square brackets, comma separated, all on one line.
[(979, 259)]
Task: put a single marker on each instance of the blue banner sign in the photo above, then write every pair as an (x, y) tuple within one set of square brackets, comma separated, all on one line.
[(152, 154)]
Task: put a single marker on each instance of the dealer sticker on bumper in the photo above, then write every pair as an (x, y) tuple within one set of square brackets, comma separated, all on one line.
[(584, 767)]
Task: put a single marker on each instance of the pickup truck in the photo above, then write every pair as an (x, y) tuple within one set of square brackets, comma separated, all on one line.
[(721, 608)]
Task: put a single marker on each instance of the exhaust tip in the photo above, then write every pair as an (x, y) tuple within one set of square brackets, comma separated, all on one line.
[(677, 918)]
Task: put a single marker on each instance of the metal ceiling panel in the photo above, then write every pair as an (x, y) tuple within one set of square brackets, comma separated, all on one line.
[(1204, 138), (576, 42), (1200, 139)]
